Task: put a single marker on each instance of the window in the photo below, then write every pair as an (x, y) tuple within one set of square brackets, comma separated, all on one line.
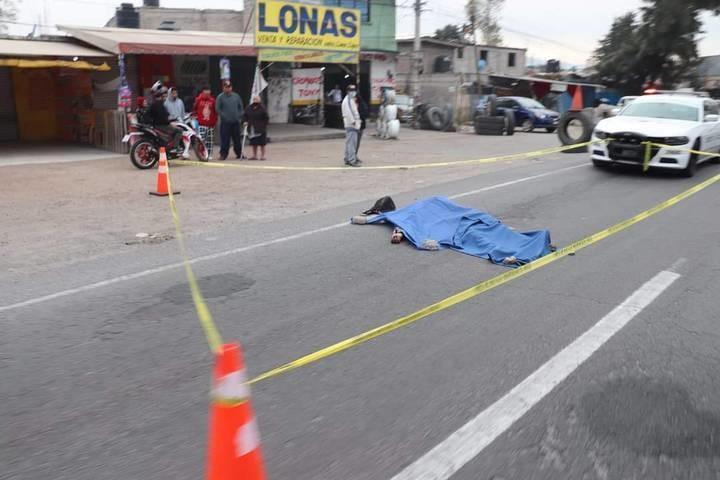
[(362, 5), (461, 52), (711, 107), (483, 55), (511, 59), (673, 111)]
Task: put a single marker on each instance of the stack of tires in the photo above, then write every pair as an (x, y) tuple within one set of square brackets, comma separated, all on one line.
[(490, 121), (437, 118)]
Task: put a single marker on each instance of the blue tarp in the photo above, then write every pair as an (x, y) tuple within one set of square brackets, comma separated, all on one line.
[(465, 230)]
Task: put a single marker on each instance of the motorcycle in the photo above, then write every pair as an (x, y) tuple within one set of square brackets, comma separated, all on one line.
[(146, 141)]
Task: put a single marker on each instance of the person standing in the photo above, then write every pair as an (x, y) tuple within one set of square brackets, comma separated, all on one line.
[(204, 109), (257, 119), (175, 106), (229, 107), (352, 122), (364, 111), (335, 95)]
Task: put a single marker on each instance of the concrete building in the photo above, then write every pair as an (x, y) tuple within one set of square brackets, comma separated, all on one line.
[(446, 65), (152, 16)]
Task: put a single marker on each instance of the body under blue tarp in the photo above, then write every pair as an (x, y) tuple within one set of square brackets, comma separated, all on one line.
[(466, 230)]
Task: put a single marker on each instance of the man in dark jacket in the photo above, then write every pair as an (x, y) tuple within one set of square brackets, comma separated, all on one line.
[(161, 118), (229, 107)]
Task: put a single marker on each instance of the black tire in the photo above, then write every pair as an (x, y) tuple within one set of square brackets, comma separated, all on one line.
[(575, 119), (200, 150), (509, 122), (551, 129), (435, 118), (692, 166), (144, 154), (490, 125)]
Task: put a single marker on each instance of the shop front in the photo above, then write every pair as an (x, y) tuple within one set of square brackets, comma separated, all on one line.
[(47, 90), (307, 51)]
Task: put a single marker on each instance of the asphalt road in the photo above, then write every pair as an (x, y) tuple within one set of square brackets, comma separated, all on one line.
[(111, 382)]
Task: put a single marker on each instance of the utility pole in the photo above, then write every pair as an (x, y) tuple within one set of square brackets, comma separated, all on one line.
[(417, 55)]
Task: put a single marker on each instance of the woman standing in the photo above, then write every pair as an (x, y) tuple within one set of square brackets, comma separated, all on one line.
[(257, 119)]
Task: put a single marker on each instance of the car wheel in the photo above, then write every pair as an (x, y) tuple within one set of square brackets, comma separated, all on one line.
[(509, 122), (527, 126), (551, 129), (691, 168)]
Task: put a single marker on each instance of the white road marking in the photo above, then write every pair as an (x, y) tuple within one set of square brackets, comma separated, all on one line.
[(461, 447), (235, 251)]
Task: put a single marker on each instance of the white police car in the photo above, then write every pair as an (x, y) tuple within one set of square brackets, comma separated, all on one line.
[(680, 122)]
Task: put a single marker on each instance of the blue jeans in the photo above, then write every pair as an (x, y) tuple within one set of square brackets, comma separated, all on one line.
[(351, 145)]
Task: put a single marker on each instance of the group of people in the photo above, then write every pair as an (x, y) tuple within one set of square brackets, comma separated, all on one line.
[(228, 108)]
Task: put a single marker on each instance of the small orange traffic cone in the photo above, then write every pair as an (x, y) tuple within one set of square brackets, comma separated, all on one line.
[(162, 176), (234, 445), (577, 103)]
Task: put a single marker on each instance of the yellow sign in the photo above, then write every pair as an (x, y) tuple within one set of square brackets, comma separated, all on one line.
[(306, 56), (313, 27)]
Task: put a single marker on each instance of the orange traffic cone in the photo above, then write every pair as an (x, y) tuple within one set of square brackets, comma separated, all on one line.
[(162, 176), (234, 446), (577, 103)]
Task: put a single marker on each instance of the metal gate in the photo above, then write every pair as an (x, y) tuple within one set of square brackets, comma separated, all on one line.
[(8, 119)]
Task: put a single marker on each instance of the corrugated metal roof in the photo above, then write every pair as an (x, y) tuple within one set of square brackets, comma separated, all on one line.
[(183, 42), (43, 48)]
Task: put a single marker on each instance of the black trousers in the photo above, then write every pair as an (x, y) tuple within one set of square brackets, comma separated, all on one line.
[(230, 131)]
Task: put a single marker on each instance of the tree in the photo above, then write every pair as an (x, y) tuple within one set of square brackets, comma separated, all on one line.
[(484, 15), (449, 33), (7, 13), (659, 45)]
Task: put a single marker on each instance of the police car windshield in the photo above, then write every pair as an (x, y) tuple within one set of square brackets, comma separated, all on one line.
[(672, 111)]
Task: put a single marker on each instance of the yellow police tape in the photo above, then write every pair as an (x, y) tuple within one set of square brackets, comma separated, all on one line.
[(215, 342), (478, 161), (203, 312), (480, 287)]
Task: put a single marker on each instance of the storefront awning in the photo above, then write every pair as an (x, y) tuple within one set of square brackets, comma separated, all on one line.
[(34, 63), (42, 48), (162, 42)]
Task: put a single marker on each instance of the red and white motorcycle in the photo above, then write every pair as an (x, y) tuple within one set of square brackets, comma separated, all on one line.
[(145, 141)]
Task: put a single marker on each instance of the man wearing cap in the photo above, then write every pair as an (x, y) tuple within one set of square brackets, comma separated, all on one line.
[(353, 122), (229, 107)]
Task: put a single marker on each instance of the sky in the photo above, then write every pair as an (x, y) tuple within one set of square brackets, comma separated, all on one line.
[(565, 29)]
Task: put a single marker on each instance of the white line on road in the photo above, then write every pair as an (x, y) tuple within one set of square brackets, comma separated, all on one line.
[(235, 251), (461, 447)]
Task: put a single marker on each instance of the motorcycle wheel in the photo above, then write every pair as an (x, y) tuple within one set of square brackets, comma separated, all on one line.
[(144, 154), (200, 150)]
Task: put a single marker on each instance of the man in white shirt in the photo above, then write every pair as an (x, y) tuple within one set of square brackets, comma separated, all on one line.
[(352, 122), (335, 95)]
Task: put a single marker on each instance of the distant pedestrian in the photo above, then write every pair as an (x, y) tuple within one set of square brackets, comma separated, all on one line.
[(174, 106), (204, 109), (257, 119), (229, 107), (352, 122), (335, 95), (364, 111)]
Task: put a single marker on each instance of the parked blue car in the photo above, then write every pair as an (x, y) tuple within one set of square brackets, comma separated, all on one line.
[(529, 114)]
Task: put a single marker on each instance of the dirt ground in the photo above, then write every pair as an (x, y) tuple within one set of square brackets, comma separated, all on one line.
[(52, 214)]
